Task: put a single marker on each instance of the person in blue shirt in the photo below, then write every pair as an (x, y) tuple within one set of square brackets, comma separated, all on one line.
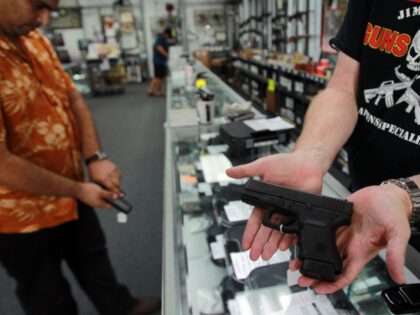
[(160, 60)]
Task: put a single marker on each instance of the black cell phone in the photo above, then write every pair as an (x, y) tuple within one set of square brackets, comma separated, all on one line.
[(119, 204), (403, 299)]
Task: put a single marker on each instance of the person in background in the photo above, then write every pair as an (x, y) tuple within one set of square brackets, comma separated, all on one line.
[(46, 214), (160, 61), (372, 105)]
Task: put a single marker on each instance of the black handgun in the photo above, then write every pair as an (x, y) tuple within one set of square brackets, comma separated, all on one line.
[(314, 218)]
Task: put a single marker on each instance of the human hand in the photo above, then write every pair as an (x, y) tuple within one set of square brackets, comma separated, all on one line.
[(94, 195), (380, 219), (299, 170), (106, 173)]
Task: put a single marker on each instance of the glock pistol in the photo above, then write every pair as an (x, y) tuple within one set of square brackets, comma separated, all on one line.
[(313, 218)]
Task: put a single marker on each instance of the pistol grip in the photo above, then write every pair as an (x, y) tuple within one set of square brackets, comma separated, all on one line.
[(317, 269), (318, 252)]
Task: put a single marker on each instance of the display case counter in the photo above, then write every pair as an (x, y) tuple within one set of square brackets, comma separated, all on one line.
[(182, 109), (195, 281)]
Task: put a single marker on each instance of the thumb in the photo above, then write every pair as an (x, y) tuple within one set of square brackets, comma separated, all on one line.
[(245, 170), (395, 255)]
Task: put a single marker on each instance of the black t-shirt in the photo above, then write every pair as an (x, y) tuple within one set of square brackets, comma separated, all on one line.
[(384, 36)]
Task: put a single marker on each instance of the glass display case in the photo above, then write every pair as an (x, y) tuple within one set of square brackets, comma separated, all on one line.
[(183, 109), (199, 276)]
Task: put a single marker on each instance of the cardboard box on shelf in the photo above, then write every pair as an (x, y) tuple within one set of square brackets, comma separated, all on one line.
[(203, 55), (271, 101)]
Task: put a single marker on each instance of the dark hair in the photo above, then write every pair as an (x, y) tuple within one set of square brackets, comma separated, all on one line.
[(169, 7), (168, 31)]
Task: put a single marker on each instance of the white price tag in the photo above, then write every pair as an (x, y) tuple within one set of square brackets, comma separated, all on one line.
[(286, 83), (218, 248), (290, 103), (299, 87), (237, 211), (243, 265), (122, 217), (292, 277)]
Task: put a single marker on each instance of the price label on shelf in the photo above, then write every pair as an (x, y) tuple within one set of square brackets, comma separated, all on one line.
[(299, 87), (290, 103), (286, 83)]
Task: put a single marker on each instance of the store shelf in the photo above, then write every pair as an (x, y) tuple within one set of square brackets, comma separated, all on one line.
[(291, 89)]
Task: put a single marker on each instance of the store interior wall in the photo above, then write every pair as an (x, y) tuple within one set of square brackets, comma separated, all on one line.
[(154, 11), (92, 10), (315, 26), (198, 35), (148, 13), (294, 26)]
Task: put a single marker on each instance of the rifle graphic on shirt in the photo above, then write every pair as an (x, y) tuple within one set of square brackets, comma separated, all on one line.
[(386, 90)]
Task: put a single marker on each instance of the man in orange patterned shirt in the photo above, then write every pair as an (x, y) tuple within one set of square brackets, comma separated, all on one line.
[(46, 213)]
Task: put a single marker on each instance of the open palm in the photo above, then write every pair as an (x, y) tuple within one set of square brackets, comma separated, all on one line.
[(379, 220), (295, 170)]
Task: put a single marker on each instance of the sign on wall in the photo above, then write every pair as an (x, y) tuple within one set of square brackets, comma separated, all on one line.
[(212, 17), (66, 18)]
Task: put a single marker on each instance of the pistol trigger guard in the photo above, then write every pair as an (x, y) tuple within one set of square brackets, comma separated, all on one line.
[(267, 220), (288, 221)]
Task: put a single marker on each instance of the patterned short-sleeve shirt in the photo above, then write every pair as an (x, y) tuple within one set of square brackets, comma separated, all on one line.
[(37, 124)]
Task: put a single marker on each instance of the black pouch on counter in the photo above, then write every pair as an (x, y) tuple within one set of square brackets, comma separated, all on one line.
[(233, 244), (212, 232), (229, 288), (240, 137), (268, 276)]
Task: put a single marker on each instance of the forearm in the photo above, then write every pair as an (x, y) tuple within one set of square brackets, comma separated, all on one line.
[(22, 175), (85, 123), (329, 122), (332, 116), (163, 51)]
